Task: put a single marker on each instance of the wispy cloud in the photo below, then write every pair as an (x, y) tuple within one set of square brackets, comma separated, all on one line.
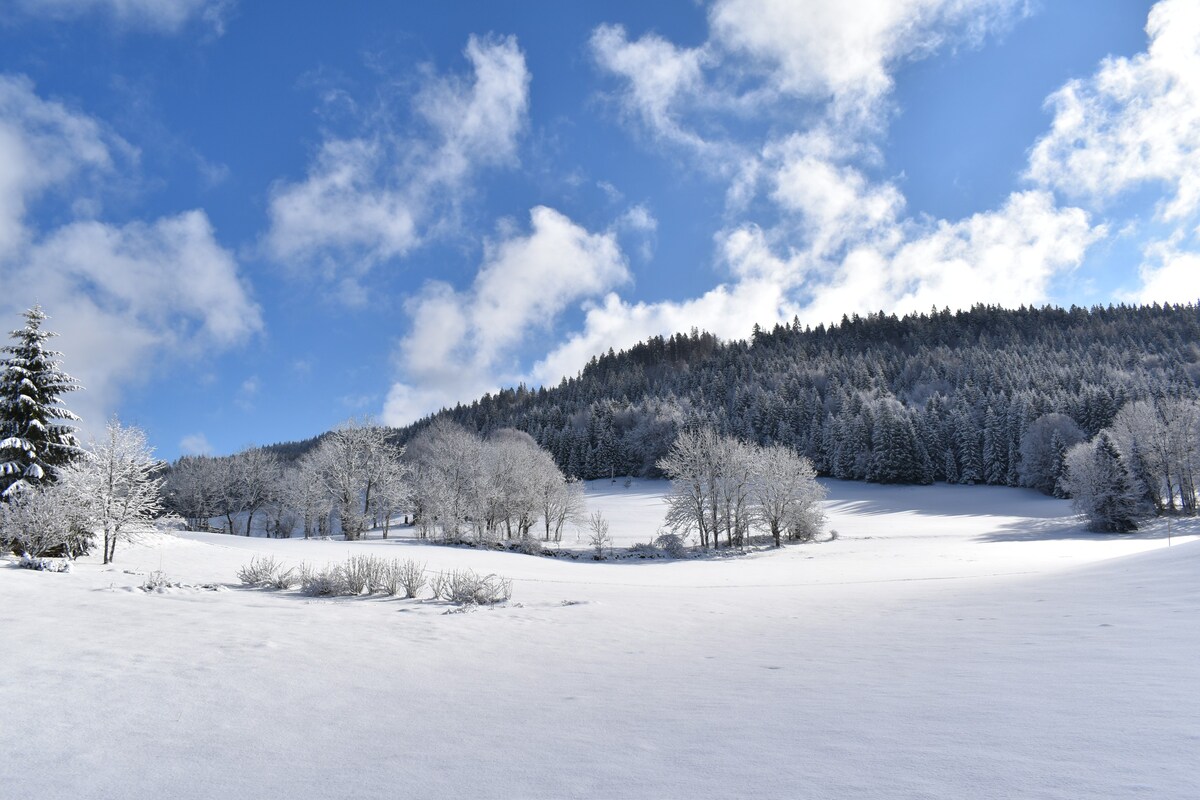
[(467, 342), (167, 16), (126, 297), (378, 195)]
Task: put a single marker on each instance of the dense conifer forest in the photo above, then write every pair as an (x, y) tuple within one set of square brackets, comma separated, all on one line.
[(966, 397)]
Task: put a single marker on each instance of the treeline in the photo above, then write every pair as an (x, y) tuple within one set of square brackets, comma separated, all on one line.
[(451, 483), (988, 395)]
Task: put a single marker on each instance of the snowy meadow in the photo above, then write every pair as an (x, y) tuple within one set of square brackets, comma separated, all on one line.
[(952, 641)]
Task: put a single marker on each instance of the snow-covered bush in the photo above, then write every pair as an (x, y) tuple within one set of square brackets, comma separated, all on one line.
[(409, 576), (284, 579), (44, 564), (324, 583), (466, 587), (365, 574), (437, 584), (645, 550), (261, 571), (41, 521), (673, 544), (529, 546), (156, 581)]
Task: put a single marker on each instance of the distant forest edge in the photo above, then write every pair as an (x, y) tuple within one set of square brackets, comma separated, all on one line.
[(965, 397)]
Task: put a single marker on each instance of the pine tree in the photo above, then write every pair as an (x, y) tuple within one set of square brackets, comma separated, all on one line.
[(34, 441)]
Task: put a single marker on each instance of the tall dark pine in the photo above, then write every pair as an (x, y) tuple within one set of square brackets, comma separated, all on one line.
[(34, 437)]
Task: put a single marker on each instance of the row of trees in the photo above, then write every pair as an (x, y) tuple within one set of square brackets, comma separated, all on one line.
[(1146, 462), (355, 479), (504, 487), (454, 484), (720, 485)]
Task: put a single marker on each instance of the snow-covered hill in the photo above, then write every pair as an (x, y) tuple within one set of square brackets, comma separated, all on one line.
[(952, 642)]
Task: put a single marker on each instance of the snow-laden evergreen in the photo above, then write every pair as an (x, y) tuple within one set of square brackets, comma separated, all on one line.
[(35, 437)]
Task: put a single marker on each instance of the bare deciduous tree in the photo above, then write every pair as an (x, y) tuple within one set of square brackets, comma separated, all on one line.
[(116, 484)]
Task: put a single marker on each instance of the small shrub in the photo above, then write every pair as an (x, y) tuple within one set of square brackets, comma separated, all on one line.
[(43, 564), (674, 545), (261, 571), (410, 576), (466, 587), (327, 582), (438, 584), (156, 581), (644, 550), (284, 579), (599, 538), (529, 545), (365, 574)]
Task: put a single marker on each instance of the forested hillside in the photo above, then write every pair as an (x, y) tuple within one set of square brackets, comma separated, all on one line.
[(982, 396)]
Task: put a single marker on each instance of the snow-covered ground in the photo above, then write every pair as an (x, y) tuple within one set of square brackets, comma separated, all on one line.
[(952, 642)]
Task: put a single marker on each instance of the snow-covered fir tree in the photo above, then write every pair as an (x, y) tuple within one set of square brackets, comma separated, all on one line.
[(35, 437)]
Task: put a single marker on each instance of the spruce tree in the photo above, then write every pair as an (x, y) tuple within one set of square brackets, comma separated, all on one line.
[(35, 440)]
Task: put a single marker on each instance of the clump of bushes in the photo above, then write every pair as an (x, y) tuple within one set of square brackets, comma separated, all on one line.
[(266, 572), (366, 575), (43, 564), (466, 587)]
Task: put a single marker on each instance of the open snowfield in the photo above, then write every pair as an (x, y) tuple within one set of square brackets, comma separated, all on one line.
[(956, 642)]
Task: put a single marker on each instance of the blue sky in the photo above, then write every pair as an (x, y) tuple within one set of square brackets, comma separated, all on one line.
[(250, 221)]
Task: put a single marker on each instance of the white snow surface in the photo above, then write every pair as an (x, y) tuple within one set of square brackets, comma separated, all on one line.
[(953, 642)]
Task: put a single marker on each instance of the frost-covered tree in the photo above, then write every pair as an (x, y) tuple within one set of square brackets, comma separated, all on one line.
[(254, 478), (448, 478), (694, 466), (352, 461), (303, 492), (786, 494), (116, 484), (193, 490), (1161, 441), (1042, 449), (560, 501), (720, 485), (1101, 485), (44, 521), (35, 437), (392, 492)]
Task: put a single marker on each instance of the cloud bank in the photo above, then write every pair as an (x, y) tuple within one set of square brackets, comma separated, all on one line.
[(127, 298)]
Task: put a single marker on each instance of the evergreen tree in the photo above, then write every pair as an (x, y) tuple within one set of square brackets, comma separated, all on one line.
[(1101, 485), (34, 439)]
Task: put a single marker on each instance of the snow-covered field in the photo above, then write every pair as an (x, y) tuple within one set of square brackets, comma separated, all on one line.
[(958, 642)]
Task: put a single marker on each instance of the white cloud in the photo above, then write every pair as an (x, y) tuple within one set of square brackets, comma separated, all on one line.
[(834, 202), (168, 16), (663, 80), (195, 444), (464, 343), (125, 297), (846, 52), (762, 56), (375, 197), (1168, 275), (1135, 121), (44, 144), (1006, 257), (247, 393), (128, 298)]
